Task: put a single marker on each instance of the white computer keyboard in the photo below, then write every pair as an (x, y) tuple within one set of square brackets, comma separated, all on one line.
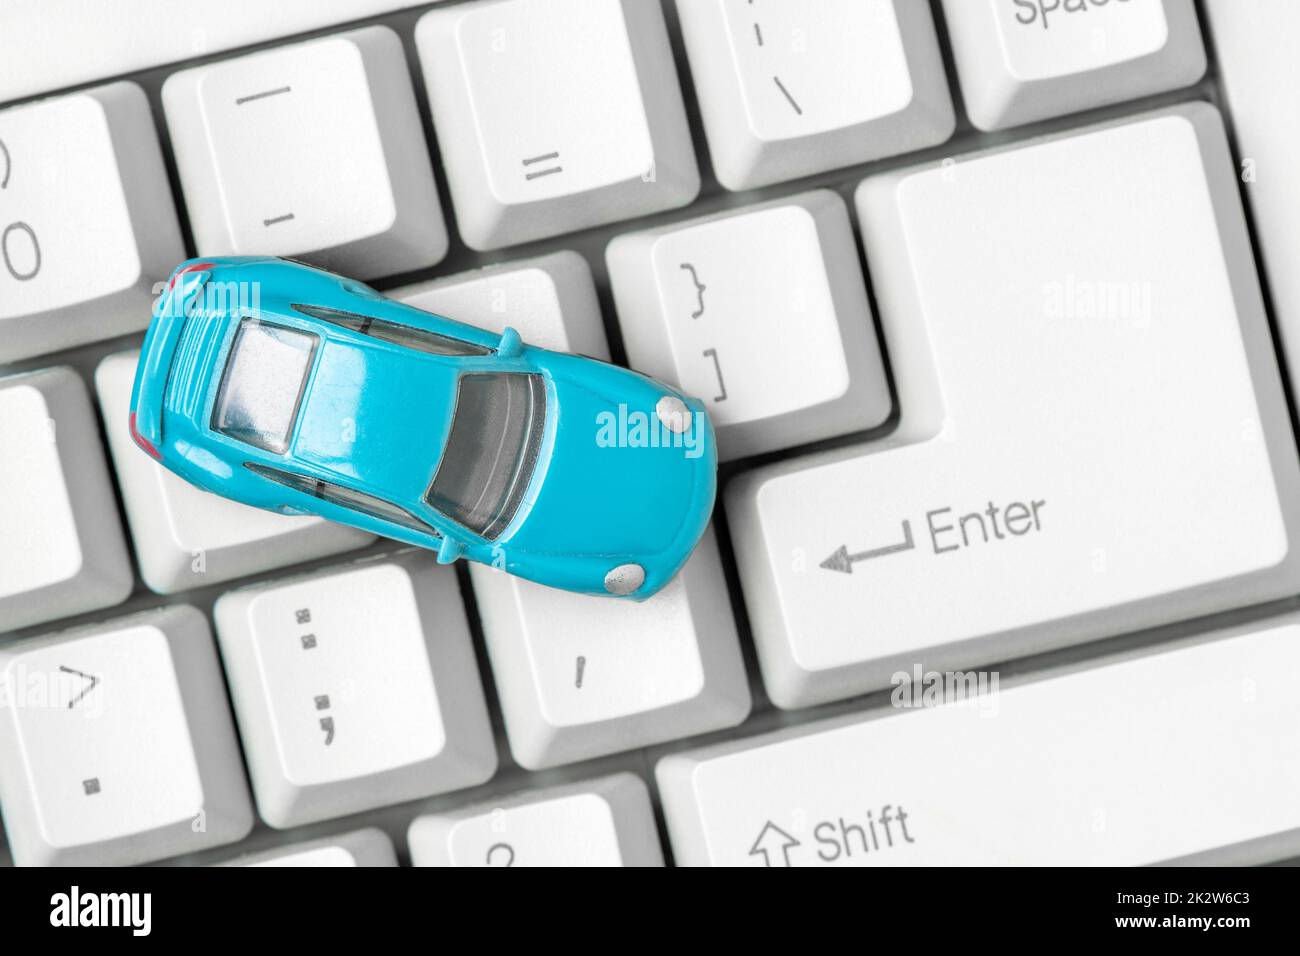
[(996, 358)]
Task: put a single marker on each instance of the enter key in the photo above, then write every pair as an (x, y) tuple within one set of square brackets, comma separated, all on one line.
[(1092, 434)]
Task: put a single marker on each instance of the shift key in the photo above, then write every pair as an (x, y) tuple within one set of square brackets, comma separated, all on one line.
[(1191, 754)]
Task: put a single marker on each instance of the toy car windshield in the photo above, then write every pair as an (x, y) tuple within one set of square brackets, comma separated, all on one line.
[(496, 433)]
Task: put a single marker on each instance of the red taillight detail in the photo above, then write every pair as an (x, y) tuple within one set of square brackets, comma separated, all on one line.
[(142, 441), (195, 267)]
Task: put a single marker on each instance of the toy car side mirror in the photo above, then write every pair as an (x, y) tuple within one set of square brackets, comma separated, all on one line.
[(511, 345), (449, 550)]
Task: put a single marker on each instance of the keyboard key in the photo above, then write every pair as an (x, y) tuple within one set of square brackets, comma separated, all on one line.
[(604, 822), (87, 224), (1188, 754), (110, 40), (186, 537), (61, 545), (116, 745), (1025, 60), (355, 688), (550, 301), (787, 89), (555, 115), (1258, 70), (312, 150), (369, 847), (1048, 482), (762, 314), (581, 676)]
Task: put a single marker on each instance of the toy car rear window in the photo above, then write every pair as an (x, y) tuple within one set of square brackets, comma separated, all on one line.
[(346, 497), (496, 435), (262, 385), (408, 336)]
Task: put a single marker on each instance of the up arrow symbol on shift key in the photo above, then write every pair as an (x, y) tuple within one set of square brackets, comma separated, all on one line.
[(774, 844)]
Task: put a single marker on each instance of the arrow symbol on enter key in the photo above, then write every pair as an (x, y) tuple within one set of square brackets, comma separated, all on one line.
[(842, 560)]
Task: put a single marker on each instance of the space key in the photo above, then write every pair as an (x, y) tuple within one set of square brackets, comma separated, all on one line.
[(114, 38), (1191, 752)]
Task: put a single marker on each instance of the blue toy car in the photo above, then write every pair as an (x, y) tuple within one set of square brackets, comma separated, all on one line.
[(290, 388)]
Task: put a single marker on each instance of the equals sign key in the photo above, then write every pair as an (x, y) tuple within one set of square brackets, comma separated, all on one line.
[(532, 161)]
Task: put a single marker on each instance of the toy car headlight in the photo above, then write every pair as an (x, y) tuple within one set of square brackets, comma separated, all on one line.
[(624, 579), (673, 414)]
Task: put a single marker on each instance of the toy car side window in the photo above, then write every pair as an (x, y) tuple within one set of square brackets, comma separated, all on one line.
[(262, 385), (345, 497), (496, 437), (408, 336)]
